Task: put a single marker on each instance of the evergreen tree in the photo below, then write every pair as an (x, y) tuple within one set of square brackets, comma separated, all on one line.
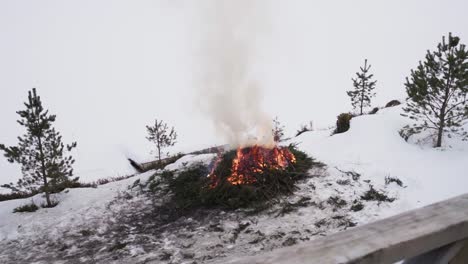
[(161, 136), (437, 90), (40, 151), (278, 130), (363, 87)]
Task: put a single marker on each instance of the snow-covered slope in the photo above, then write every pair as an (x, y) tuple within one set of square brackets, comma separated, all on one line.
[(114, 223), (78, 207), (374, 148)]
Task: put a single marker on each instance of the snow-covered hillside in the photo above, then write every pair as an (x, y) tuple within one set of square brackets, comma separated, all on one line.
[(374, 148), (117, 223)]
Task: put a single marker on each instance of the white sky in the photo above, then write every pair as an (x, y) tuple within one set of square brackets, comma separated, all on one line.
[(108, 68)]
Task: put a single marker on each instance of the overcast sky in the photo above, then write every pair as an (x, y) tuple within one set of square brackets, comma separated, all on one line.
[(108, 68)]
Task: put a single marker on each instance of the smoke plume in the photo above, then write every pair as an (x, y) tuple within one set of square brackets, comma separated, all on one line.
[(228, 92)]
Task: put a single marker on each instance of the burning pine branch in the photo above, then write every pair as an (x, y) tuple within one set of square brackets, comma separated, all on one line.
[(255, 174), (246, 177), (251, 162)]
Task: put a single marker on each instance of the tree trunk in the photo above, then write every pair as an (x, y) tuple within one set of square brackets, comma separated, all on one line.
[(362, 95), (44, 176), (159, 154), (440, 133)]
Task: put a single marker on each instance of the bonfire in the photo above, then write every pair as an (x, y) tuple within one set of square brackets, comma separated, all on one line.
[(250, 162), (255, 177)]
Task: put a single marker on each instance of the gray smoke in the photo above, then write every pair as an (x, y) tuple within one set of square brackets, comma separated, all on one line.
[(228, 92)]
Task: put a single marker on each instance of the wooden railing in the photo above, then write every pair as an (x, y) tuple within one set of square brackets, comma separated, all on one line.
[(433, 234)]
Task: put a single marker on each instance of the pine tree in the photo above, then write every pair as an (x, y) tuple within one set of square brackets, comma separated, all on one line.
[(437, 90), (40, 151), (161, 136), (363, 87), (278, 130)]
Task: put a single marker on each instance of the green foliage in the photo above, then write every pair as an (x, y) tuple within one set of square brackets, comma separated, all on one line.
[(32, 207), (336, 201), (343, 123), (16, 195), (374, 111), (269, 184), (57, 189), (363, 88), (192, 189), (40, 152), (357, 206), (161, 136), (105, 181), (375, 195), (155, 183), (188, 187), (407, 131), (392, 103), (437, 91), (62, 186), (389, 179)]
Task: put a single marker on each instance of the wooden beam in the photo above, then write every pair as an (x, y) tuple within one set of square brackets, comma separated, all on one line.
[(386, 241), (462, 256), (442, 255)]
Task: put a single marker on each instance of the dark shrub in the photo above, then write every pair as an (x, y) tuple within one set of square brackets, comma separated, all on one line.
[(389, 180), (393, 103), (375, 195), (110, 179), (17, 195), (188, 186), (357, 206), (408, 131), (374, 111), (336, 201), (117, 246), (54, 189), (192, 189), (343, 123), (70, 185), (32, 207)]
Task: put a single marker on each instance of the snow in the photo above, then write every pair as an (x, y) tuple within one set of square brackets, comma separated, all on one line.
[(114, 221), (189, 160), (76, 206), (374, 148)]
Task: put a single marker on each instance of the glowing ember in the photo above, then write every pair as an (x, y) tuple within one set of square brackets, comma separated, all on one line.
[(256, 159)]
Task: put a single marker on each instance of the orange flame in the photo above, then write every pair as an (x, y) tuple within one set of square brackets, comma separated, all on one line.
[(255, 159)]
